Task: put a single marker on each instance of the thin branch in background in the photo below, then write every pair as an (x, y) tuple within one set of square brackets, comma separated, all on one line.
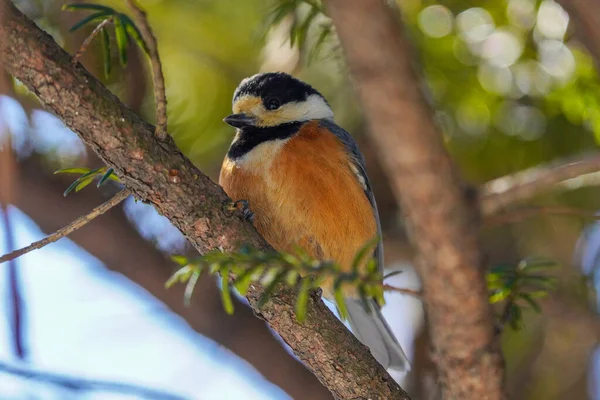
[(410, 292), (157, 73), (78, 223), (505, 191), (89, 39), (79, 384), (522, 213)]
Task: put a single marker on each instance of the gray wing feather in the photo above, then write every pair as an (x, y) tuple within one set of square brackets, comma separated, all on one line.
[(366, 321), (359, 163)]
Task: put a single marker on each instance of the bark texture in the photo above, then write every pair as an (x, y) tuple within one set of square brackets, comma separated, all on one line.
[(442, 220), (117, 244), (160, 174)]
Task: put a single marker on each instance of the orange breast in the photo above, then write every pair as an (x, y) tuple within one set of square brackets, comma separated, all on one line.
[(304, 193)]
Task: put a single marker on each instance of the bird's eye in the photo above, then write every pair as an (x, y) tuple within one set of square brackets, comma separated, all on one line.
[(272, 104)]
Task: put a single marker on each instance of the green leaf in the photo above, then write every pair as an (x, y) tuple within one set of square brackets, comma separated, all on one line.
[(549, 282), (393, 273), (135, 33), (268, 278), (500, 295), (536, 264), (72, 171), (534, 305), (303, 29), (269, 289), (314, 52), (516, 317), (89, 19), (181, 275), (83, 183), (106, 52), (189, 288), (281, 11), (225, 293), (538, 294), (339, 301), (180, 260), (122, 39), (360, 255), (302, 300), (87, 6), (291, 277), (105, 177), (71, 187), (90, 173), (242, 284)]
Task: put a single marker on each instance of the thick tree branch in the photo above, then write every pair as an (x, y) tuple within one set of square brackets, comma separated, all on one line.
[(116, 243), (439, 215), (159, 174)]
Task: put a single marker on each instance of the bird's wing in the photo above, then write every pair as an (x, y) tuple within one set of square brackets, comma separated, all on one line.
[(358, 163)]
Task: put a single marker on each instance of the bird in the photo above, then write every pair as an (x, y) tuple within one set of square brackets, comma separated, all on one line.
[(304, 180)]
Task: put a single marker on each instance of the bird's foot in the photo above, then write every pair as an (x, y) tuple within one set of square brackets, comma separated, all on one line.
[(244, 207)]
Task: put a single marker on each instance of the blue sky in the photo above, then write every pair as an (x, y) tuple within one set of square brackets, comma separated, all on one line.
[(86, 321)]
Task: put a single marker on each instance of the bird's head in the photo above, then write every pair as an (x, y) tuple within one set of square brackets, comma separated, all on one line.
[(275, 98)]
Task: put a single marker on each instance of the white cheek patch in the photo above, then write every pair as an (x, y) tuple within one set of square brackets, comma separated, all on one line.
[(315, 107)]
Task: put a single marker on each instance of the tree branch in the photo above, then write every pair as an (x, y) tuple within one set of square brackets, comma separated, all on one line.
[(503, 192), (521, 213), (429, 189), (160, 95), (88, 40), (118, 245), (159, 174), (73, 226)]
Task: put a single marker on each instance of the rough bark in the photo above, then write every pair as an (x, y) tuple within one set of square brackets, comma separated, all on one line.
[(439, 215), (116, 243), (160, 174)]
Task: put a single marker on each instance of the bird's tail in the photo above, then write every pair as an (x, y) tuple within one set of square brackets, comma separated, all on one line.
[(370, 328)]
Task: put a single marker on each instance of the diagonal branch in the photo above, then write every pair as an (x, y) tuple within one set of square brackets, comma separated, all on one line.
[(124, 251), (506, 191), (88, 40), (161, 175), (73, 226)]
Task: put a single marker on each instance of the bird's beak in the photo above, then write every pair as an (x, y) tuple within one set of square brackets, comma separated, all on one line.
[(240, 120)]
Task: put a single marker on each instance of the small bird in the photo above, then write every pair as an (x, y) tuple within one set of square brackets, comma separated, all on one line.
[(305, 183)]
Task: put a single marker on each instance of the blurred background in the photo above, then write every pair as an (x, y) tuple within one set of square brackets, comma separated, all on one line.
[(89, 318)]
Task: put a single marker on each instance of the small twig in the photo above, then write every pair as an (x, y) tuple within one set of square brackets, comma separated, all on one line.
[(157, 74), (73, 226), (410, 292), (502, 192), (89, 39), (519, 214)]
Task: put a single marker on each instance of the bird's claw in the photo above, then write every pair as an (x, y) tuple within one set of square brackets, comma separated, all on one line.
[(244, 207)]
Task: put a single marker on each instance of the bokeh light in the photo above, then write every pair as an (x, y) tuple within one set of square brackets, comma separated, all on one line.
[(436, 21)]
